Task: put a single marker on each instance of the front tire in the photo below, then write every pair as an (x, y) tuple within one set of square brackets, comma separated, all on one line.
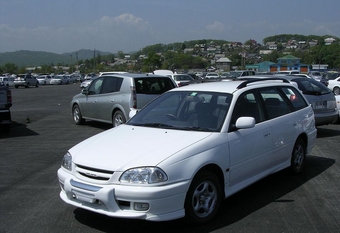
[(118, 118), (298, 157), (77, 117), (336, 90), (203, 198)]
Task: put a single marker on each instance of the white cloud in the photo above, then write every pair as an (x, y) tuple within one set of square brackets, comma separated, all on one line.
[(216, 26)]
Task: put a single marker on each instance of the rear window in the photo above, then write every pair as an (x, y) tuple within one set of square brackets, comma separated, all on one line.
[(311, 87), (154, 85)]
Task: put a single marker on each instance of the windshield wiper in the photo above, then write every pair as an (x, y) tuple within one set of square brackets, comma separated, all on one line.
[(156, 125), (197, 128)]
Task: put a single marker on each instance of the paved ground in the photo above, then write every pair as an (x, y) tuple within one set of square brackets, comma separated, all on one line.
[(29, 193)]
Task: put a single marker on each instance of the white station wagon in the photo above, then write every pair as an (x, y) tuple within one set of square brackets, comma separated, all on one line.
[(189, 149)]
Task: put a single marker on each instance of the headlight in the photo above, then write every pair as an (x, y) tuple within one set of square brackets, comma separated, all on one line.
[(144, 175), (67, 161)]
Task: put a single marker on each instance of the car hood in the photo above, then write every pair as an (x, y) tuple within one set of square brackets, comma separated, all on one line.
[(127, 146)]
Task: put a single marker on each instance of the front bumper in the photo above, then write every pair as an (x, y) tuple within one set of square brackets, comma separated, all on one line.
[(164, 202)]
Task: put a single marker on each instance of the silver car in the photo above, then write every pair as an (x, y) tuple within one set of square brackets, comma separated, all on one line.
[(318, 95), (115, 98)]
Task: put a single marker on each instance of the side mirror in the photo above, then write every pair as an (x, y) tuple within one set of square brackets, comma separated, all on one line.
[(245, 122), (85, 91)]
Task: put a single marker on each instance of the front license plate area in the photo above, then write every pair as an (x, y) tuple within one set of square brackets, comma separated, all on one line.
[(85, 197)]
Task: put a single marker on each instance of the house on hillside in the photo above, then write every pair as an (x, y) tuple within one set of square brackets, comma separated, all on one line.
[(288, 63), (223, 63), (260, 67)]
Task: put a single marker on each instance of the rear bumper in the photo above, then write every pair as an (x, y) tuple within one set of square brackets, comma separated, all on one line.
[(325, 119), (5, 117)]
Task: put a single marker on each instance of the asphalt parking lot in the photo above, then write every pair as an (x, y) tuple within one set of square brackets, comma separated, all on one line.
[(43, 130)]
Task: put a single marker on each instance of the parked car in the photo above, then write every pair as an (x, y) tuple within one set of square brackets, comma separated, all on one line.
[(240, 73), (334, 85), (315, 75), (5, 113), (25, 80), (6, 81), (212, 75), (183, 79), (188, 149), (318, 95), (179, 79), (114, 98), (288, 72), (321, 79), (87, 82), (44, 79), (337, 98), (59, 80)]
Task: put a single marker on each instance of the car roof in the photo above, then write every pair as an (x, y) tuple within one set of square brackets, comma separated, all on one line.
[(232, 86), (138, 75)]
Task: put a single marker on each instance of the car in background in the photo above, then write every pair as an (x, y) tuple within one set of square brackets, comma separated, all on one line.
[(115, 98), (5, 113), (322, 80), (25, 80), (7, 81), (337, 99), (288, 72), (59, 80), (87, 81), (183, 79), (44, 79), (240, 73), (212, 75), (318, 95), (179, 79), (334, 85), (315, 75), (224, 75), (189, 149)]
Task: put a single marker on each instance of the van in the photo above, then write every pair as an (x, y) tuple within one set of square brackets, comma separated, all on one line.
[(114, 98)]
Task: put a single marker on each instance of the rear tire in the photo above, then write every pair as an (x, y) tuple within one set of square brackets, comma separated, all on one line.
[(203, 198), (298, 157), (336, 90), (77, 117), (118, 118)]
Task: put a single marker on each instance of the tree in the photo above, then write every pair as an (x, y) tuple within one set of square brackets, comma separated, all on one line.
[(121, 54), (10, 68)]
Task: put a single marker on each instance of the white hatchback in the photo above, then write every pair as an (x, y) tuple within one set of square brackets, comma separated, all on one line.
[(189, 149)]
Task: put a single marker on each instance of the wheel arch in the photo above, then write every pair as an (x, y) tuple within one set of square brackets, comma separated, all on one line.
[(213, 168)]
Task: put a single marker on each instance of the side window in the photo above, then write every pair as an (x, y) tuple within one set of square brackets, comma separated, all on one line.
[(275, 104), (248, 104), (96, 86), (295, 98), (111, 84)]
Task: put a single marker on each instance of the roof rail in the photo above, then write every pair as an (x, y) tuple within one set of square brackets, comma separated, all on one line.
[(253, 79)]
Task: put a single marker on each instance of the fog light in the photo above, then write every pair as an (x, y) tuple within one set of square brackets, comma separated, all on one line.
[(141, 206)]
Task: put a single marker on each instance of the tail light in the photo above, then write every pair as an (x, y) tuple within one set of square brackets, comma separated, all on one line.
[(134, 97)]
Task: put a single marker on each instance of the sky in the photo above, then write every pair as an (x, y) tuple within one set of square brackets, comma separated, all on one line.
[(62, 26)]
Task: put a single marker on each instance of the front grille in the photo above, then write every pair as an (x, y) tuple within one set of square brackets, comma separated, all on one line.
[(94, 173)]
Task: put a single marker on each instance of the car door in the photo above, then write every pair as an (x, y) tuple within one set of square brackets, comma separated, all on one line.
[(89, 104), (110, 98), (250, 149), (283, 122)]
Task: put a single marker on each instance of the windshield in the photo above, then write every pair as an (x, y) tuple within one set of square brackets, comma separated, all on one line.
[(185, 110)]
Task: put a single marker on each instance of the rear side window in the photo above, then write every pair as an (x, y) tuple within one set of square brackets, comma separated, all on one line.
[(154, 85), (111, 84), (275, 103)]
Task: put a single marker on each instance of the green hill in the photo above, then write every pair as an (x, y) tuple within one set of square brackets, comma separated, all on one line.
[(25, 58)]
